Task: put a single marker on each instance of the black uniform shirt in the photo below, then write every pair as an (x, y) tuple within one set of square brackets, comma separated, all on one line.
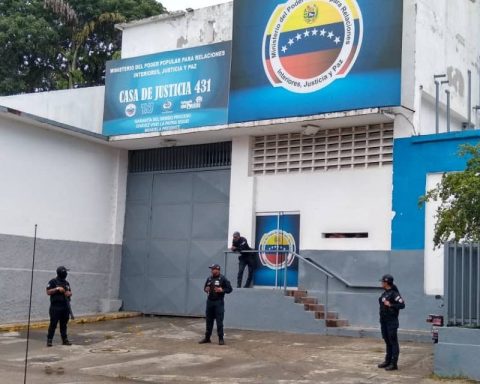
[(220, 281), (241, 244), (396, 303), (58, 298)]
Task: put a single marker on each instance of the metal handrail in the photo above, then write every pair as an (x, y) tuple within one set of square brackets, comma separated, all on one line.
[(333, 274), (313, 264), (236, 252), (328, 274), (251, 251)]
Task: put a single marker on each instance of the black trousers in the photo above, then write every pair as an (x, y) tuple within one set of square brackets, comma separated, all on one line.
[(389, 333), (58, 314), (244, 261), (215, 312)]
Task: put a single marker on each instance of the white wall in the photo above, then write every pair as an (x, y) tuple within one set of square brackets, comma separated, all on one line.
[(447, 42), (408, 55), (81, 108), (434, 257), (339, 201), (242, 191), (73, 189), (200, 27)]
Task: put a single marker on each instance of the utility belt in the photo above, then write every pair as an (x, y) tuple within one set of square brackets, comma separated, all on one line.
[(389, 316), (215, 299)]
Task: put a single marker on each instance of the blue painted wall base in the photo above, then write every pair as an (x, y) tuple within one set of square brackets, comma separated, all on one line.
[(456, 353)]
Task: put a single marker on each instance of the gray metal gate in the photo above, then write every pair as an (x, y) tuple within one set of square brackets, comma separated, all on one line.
[(462, 283), (176, 225)]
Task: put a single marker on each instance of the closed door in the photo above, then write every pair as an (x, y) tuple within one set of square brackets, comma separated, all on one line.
[(175, 227)]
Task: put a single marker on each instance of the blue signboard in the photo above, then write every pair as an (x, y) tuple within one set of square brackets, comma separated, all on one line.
[(306, 57), (276, 233), (167, 91)]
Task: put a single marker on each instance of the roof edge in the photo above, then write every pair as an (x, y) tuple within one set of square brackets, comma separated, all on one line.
[(152, 19), (54, 124)]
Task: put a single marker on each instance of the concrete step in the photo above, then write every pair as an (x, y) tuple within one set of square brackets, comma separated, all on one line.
[(314, 307), (334, 323), (269, 306), (306, 300), (300, 296), (330, 315), (297, 294)]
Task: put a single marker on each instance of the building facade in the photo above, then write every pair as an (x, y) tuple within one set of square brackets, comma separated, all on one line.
[(146, 211)]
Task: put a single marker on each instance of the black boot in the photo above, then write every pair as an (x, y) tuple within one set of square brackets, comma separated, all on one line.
[(384, 364), (391, 367), (49, 342), (205, 340), (221, 341), (66, 342)]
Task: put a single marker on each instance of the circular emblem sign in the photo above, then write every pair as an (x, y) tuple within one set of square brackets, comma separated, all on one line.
[(272, 242), (308, 44), (130, 110)]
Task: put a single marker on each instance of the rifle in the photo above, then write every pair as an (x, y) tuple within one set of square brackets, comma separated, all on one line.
[(67, 299), (69, 308)]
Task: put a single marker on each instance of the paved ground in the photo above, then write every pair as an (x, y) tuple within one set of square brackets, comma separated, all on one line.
[(166, 350)]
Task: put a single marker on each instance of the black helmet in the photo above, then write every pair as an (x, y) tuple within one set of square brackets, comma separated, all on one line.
[(62, 272), (387, 279)]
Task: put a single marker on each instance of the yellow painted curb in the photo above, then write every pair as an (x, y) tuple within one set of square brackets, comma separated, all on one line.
[(78, 320)]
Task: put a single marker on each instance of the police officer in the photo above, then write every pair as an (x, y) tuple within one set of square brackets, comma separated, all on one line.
[(390, 304), (216, 287), (240, 244), (60, 293)]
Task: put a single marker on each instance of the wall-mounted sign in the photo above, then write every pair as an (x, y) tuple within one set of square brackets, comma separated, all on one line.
[(168, 91), (305, 57), (277, 240)]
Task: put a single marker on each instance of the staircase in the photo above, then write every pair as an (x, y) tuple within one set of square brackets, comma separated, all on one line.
[(311, 304)]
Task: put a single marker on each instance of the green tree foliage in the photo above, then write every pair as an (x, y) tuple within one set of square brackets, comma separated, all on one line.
[(57, 44), (27, 53), (458, 216)]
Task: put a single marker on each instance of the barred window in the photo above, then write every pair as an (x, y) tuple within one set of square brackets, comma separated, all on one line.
[(183, 157), (329, 149)]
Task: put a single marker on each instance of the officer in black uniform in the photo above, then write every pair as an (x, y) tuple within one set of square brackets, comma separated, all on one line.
[(390, 304), (216, 287), (60, 293), (240, 244)]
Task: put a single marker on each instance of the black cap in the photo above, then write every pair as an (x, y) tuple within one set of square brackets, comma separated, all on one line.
[(214, 266), (62, 269), (387, 279)]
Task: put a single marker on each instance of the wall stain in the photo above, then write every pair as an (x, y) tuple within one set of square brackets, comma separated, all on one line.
[(181, 42), (456, 79)]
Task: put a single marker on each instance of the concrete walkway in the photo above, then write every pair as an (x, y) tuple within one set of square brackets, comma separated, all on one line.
[(166, 350)]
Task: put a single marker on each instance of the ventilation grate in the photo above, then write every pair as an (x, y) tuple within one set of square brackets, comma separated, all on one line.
[(330, 149), (179, 158)]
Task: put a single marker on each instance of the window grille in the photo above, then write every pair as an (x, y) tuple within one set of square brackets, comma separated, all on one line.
[(180, 158), (330, 149)]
